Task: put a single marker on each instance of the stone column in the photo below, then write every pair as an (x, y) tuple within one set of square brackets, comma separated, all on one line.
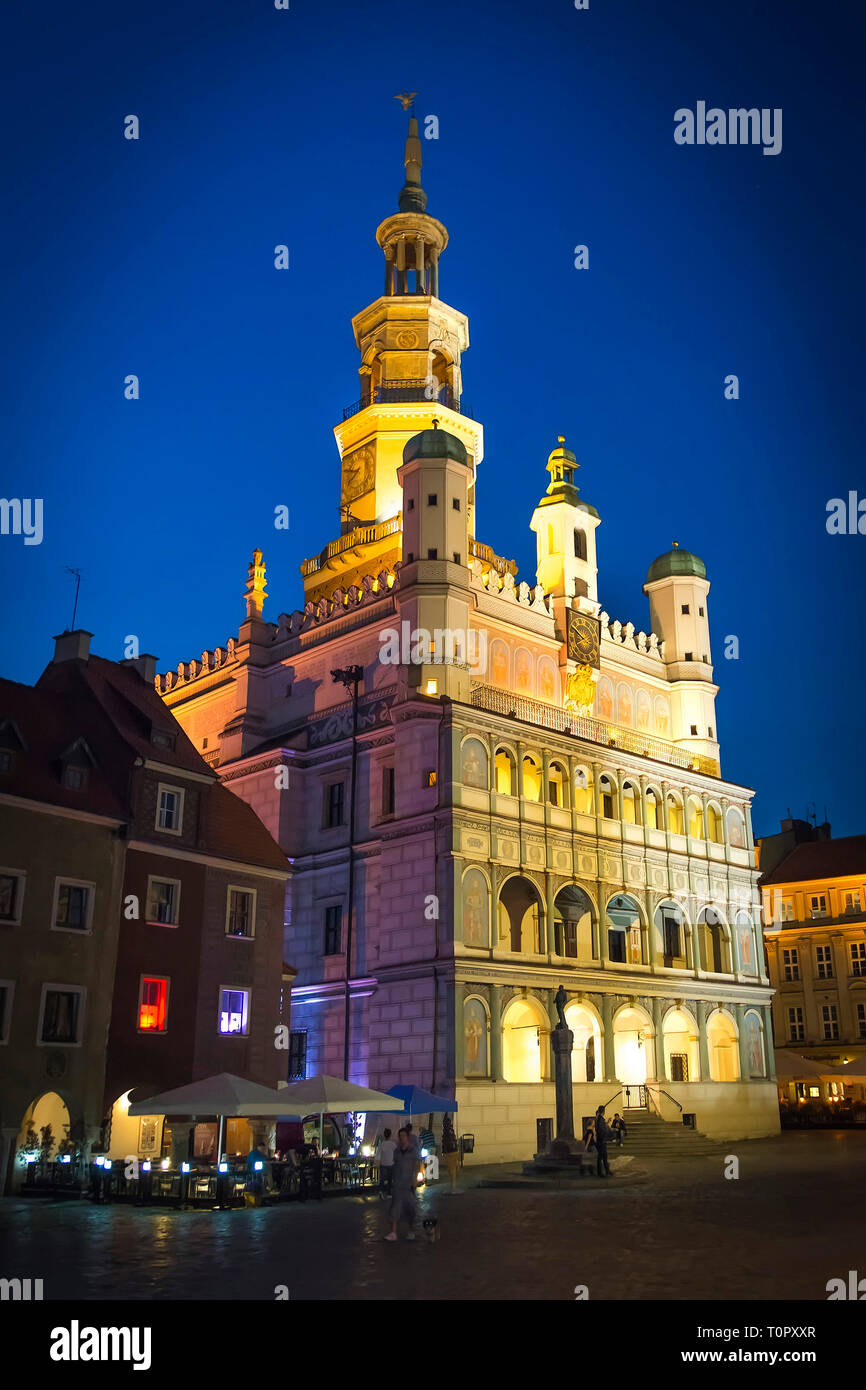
[(401, 266), (419, 266), (643, 819), (607, 1040), (658, 1041), (603, 939), (701, 1011), (742, 1042), (725, 805), (389, 270), (521, 750), (551, 913), (562, 1041), (496, 1032), (597, 772), (620, 774), (434, 273), (705, 799), (458, 995), (666, 786)]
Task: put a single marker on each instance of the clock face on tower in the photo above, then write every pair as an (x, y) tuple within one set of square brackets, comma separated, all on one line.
[(358, 473), (583, 639)]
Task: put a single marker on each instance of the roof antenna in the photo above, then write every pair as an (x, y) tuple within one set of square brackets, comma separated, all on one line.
[(77, 574)]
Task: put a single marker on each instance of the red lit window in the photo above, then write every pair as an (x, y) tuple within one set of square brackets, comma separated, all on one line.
[(154, 1005)]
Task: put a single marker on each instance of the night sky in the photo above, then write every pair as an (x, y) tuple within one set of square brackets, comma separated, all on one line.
[(261, 127)]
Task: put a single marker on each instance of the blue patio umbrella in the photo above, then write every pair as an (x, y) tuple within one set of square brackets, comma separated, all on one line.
[(416, 1101)]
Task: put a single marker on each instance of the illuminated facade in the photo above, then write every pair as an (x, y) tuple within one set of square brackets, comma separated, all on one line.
[(538, 797)]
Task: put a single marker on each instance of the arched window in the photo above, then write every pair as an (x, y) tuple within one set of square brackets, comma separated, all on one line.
[(682, 1054), (736, 829), (652, 809), (580, 545), (675, 814), (525, 1030), (711, 929), (633, 1046), (573, 924), (630, 804), (624, 942), (474, 762), (586, 1054), (607, 797), (714, 824), (519, 917), (505, 779), (557, 785), (671, 928), (722, 1047), (532, 778), (696, 819)]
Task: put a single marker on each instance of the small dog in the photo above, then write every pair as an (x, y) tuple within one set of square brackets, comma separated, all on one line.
[(431, 1228)]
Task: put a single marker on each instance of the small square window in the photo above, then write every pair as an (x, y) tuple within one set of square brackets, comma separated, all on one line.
[(162, 739), (688, 656), (433, 553), (432, 499), (169, 809), (457, 557), (75, 778), (410, 558), (61, 1014), (430, 778), (700, 612), (234, 1011), (72, 911), (685, 608), (411, 505), (694, 728), (153, 1004), (710, 733), (204, 743), (11, 894), (455, 503)]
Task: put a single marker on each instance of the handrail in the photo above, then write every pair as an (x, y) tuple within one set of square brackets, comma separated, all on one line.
[(613, 1098), (649, 1087)]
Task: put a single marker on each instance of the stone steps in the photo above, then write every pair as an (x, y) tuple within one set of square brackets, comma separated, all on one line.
[(648, 1136)]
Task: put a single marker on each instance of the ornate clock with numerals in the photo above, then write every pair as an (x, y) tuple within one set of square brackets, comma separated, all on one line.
[(583, 639)]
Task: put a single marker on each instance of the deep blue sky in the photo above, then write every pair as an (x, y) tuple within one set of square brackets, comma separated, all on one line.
[(260, 127)]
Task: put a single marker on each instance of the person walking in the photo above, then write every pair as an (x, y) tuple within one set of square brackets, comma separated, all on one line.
[(404, 1203), (387, 1149), (602, 1131)]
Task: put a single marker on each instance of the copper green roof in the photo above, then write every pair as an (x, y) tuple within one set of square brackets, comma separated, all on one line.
[(435, 444), (676, 562)]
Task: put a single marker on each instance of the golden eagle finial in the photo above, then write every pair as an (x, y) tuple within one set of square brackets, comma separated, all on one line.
[(407, 99)]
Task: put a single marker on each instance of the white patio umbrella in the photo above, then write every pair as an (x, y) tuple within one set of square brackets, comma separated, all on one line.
[(220, 1095), (331, 1095), (794, 1067), (855, 1068)]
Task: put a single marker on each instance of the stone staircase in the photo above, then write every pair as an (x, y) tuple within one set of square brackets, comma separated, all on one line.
[(647, 1136)]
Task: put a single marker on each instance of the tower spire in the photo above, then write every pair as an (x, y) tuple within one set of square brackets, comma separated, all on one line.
[(412, 196)]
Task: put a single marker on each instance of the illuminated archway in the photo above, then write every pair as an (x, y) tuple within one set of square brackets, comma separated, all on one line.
[(723, 1047), (681, 1050), (525, 1030), (587, 1058), (633, 1046), (520, 916)]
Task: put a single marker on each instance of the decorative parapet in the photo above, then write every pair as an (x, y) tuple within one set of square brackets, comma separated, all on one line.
[(625, 636), (361, 535), (563, 721), (504, 585)]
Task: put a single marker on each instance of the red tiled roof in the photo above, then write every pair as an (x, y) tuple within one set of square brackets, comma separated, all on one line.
[(49, 723), (821, 859), (232, 830)]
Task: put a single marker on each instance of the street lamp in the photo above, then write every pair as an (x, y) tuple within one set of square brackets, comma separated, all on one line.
[(350, 677)]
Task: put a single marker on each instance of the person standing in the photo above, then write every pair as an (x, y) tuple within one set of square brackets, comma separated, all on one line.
[(602, 1132), (450, 1150), (404, 1203), (387, 1149)]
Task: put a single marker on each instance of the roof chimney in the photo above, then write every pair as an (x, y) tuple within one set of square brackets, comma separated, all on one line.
[(72, 646), (145, 665)]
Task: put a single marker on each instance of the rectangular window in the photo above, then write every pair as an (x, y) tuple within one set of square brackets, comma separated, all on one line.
[(852, 901), (861, 1020), (5, 760), (858, 957), (163, 901), (432, 499), (694, 728), (791, 964), (73, 905), (75, 778), (679, 1066), (430, 774), (11, 896), (571, 939), (825, 962), (234, 1011), (387, 791), (616, 946), (335, 794), (411, 506), (685, 608), (61, 1014), (796, 1029), (333, 929), (455, 503), (672, 937), (241, 912), (432, 553), (831, 1025), (152, 1004), (7, 988), (298, 1055), (688, 656), (700, 612), (162, 739), (818, 905), (456, 557), (787, 911), (169, 809)]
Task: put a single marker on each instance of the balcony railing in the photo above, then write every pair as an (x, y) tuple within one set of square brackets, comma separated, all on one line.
[(592, 730), (489, 557), (361, 535), (418, 390)]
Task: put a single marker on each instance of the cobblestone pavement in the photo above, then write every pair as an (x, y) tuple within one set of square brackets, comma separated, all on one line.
[(679, 1230)]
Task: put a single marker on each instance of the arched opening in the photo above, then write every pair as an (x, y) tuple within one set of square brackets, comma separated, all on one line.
[(714, 824), (520, 916), (573, 924), (505, 772), (652, 809), (624, 930), (711, 930), (557, 785), (696, 819), (44, 1129), (682, 1054), (722, 1047), (586, 1055), (474, 762), (736, 829), (632, 1046), (631, 804), (671, 928), (532, 778), (583, 790), (675, 814), (607, 797), (525, 1030)]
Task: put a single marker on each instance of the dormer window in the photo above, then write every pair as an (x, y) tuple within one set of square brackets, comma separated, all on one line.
[(75, 778), (162, 739), (75, 764), (5, 760), (11, 743)]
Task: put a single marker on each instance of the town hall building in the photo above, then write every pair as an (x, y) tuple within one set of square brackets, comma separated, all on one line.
[(486, 787)]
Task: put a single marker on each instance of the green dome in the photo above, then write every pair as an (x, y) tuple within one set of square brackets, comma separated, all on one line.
[(435, 444), (676, 562)]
